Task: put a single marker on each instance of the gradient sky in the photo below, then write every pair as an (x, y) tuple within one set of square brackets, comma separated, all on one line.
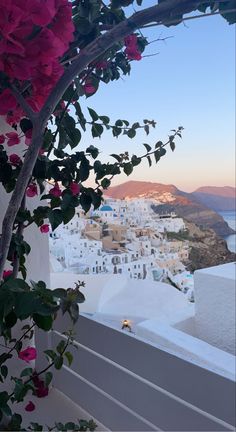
[(191, 82)]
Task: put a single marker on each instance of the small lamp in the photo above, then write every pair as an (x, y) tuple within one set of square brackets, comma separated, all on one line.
[(126, 325)]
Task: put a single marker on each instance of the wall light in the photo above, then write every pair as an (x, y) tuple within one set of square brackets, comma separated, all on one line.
[(126, 325)]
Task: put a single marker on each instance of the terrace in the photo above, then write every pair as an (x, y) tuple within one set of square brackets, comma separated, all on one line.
[(163, 377)]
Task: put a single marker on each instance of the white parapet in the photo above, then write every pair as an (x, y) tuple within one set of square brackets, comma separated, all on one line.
[(215, 295)]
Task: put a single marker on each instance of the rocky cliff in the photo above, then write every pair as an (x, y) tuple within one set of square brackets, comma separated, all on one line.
[(206, 248)]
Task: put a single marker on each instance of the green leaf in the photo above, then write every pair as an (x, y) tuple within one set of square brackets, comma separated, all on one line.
[(25, 125), (51, 354), (55, 218), (148, 147), (172, 145), (75, 137), (104, 119), (115, 156), (58, 362), (131, 133), (43, 322), (157, 155), (93, 151), (105, 183), (128, 168), (6, 410), (26, 372), (85, 202), (93, 114), (69, 357), (149, 160), (4, 357), (60, 347), (74, 312), (4, 371), (159, 144), (48, 378), (116, 131), (84, 169), (97, 130), (68, 215), (135, 160)]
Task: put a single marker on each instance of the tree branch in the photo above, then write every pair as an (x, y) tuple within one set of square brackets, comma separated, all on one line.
[(159, 13), (19, 191), (22, 102)]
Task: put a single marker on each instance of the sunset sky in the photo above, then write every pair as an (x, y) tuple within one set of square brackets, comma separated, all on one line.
[(191, 82)]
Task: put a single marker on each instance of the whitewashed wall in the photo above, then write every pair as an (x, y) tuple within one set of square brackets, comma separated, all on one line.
[(215, 301)]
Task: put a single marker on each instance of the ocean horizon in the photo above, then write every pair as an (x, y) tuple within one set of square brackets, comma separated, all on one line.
[(230, 217)]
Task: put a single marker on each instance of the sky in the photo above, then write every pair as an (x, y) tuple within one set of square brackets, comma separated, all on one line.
[(189, 83)]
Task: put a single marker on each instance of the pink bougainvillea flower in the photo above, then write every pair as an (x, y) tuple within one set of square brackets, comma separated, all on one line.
[(89, 88), (2, 139), (55, 191), (28, 354), (133, 53), (44, 228), (7, 102), (13, 139), (15, 159), (75, 188), (31, 190), (7, 273), (131, 40), (40, 389), (30, 406)]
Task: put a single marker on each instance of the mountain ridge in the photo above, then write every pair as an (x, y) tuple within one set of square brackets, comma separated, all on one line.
[(190, 206)]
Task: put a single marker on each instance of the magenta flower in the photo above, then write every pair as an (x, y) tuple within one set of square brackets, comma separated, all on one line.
[(2, 139), (89, 88), (13, 139), (55, 191), (28, 354), (15, 159), (40, 389), (30, 406), (75, 188), (31, 190), (44, 228), (7, 273)]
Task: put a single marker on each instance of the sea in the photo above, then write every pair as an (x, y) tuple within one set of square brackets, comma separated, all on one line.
[(230, 217)]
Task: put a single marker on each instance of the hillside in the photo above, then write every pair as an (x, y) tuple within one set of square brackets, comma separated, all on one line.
[(217, 198), (170, 198), (206, 248)]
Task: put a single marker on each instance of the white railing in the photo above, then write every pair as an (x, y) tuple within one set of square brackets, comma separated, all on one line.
[(130, 385)]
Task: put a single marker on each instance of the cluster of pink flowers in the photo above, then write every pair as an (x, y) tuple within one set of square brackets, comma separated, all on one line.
[(11, 138), (34, 36), (132, 51), (56, 191)]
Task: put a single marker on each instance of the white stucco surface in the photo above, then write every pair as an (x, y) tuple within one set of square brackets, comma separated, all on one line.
[(146, 299), (215, 299), (191, 348)]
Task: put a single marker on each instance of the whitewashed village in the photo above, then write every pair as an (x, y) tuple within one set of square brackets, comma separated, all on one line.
[(136, 280), (123, 237)]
